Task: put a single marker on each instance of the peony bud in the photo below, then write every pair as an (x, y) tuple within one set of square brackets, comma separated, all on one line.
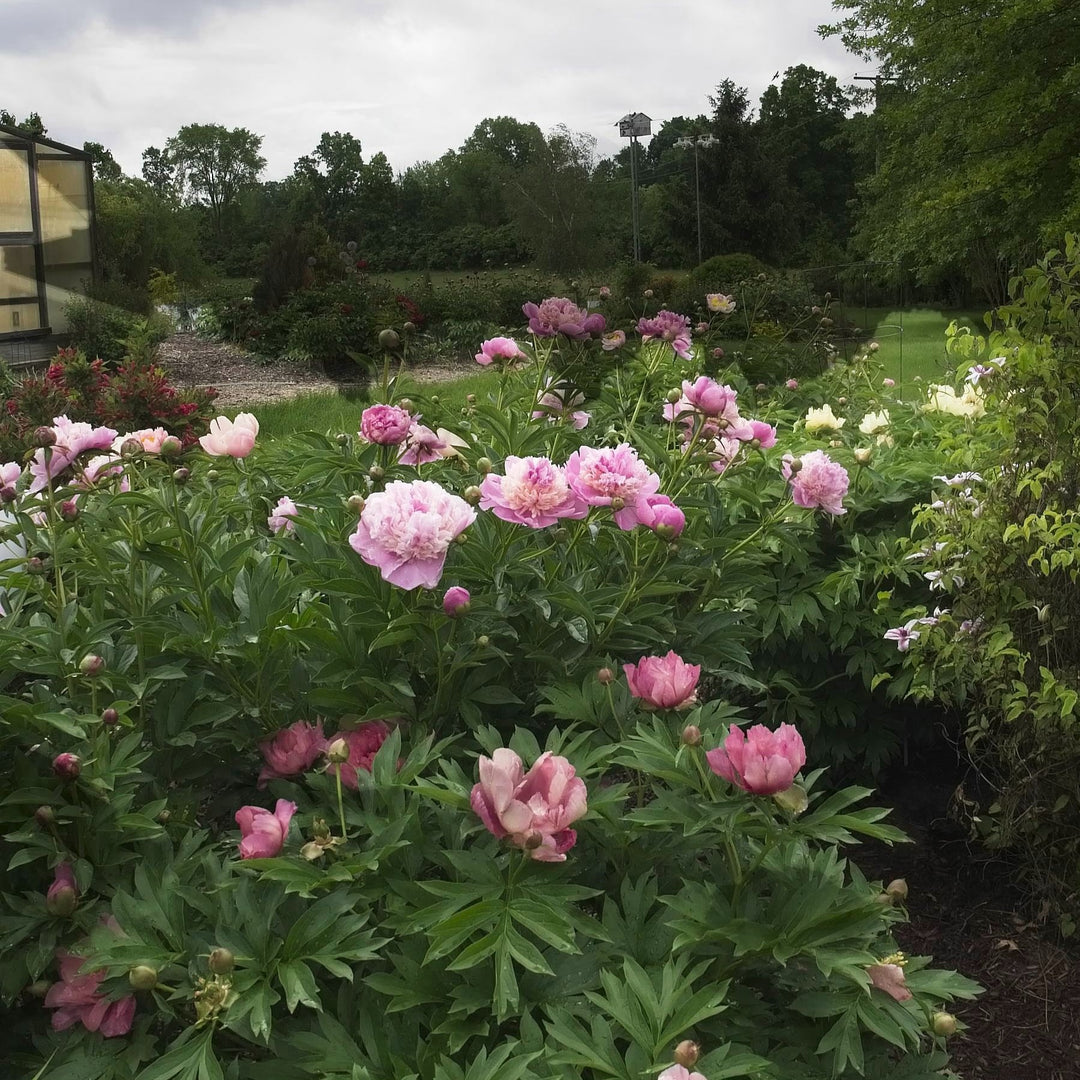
[(826, 321), (618, 504), (483, 641), (456, 601), (874, 346), (434, 399), (943, 1024), (35, 565), (691, 736), (533, 841), (341, 439), (91, 665), (470, 398), (338, 751), (222, 961), (472, 495), (897, 890), (484, 465), (665, 532), (63, 897), (718, 353), (761, 387), (376, 472), (687, 1053), (673, 396), (841, 401), (143, 977), (67, 766), (44, 436), (45, 816), (171, 447), (794, 800), (110, 717), (795, 465), (605, 676), (131, 448), (212, 475), (356, 503), (69, 510), (7, 493), (407, 404), (181, 476), (389, 340), (863, 454), (409, 328), (648, 294)]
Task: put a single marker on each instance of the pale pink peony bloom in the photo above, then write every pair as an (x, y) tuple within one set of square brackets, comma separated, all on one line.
[(282, 515), (764, 434), (889, 383), (658, 512), (557, 315), (456, 601), (663, 682), (503, 349), (724, 452), (680, 1072), (364, 743), (231, 438), (407, 530), (63, 894), (291, 750), (601, 476), (820, 484), (422, 445), (702, 328), (792, 384), (605, 292), (262, 833), (10, 472), (99, 468), (533, 492), (535, 809), (612, 341), (719, 303), (72, 439), (670, 327), (385, 425), (555, 399), (890, 979), (150, 439), (77, 999), (761, 761)]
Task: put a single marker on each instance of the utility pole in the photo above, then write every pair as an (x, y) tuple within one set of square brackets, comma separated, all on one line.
[(630, 127), (685, 143)]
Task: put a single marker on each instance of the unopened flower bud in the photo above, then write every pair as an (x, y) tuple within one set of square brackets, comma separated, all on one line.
[(863, 454), (618, 504), (389, 340), (109, 717), (342, 439), (356, 503), (39, 988), (131, 448), (1042, 613), (171, 447), (7, 493), (376, 472), (91, 665), (815, 310), (718, 353), (687, 1053), (35, 565), (874, 346), (761, 387), (407, 404), (605, 676), (45, 816), (841, 401), (181, 476), (212, 475), (470, 398), (69, 510), (943, 1024), (673, 395), (164, 816), (320, 830), (222, 961), (338, 751), (67, 766), (795, 465), (762, 277), (484, 465), (691, 735), (533, 841), (44, 436), (409, 328), (472, 494), (648, 294), (897, 890), (665, 532), (61, 900), (826, 321), (434, 399), (143, 977), (794, 800), (483, 641)]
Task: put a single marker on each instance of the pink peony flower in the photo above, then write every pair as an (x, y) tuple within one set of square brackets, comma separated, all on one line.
[(291, 750), (422, 445), (659, 513), (456, 601), (792, 384), (534, 810), (149, 438), (407, 530), (890, 979), (555, 399), (724, 452), (282, 515), (557, 315), (231, 438), (63, 895), (503, 349), (386, 425), (762, 762), (364, 743), (680, 1072), (263, 834), (77, 1000), (605, 292), (668, 326), (889, 383), (705, 396), (764, 434), (10, 472), (719, 303), (534, 492), (599, 477), (820, 484), (663, 682), (67, 766), (612, 341), (100, 467), (72, 439), (702, 328)]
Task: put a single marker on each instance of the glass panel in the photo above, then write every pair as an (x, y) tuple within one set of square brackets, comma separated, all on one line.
[(17, 276), (61, 283), (65, 213), (15, 318), (15, 214)]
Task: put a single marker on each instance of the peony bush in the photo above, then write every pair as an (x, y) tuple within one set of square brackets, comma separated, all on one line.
[(448, 748)]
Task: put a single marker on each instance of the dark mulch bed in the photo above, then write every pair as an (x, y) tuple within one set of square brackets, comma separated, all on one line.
[(964, 913)]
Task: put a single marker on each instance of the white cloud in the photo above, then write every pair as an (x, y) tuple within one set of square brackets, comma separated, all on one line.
[(411, 78)]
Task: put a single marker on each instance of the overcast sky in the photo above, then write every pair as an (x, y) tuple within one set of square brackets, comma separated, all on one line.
[(411, 78)]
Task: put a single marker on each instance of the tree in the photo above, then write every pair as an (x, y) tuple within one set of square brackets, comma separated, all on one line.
[(106, 167), (32, 123), (334, 172), (158, 172), (214, 164), (978, 159)]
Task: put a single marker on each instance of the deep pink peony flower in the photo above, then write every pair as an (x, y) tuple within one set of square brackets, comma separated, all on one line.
[(72, 439), (670, 327), (282, 515), (534, 492), (386, 425), (291, 750), (762, 762), (557, 315), (663, 682), (601, 476), (67, 766), (407, 529), (503, 349), (764, 434), (820, 484), (534, 810), (456, 601), (63, 895), (77, 999), (890, 978), (231, 438), (363, 743), (705, 396), (658, 512), (262, 833)]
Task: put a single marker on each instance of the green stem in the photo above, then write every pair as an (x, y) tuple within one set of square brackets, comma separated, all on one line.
[(341, 805)]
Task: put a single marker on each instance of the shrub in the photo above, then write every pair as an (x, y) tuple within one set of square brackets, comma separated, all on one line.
[(99, 329)]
